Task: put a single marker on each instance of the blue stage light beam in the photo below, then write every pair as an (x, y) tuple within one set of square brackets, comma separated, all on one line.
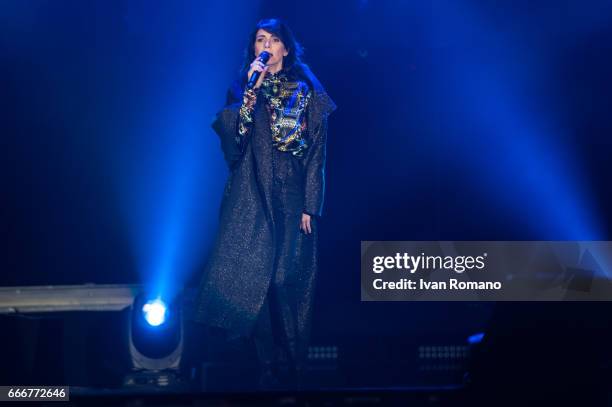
[(511, 141), (170, 170)]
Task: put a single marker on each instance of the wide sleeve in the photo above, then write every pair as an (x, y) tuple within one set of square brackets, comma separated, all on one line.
[(226, 125), (315, 171)]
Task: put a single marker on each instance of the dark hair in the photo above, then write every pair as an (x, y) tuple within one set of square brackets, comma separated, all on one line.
[(292, 63)]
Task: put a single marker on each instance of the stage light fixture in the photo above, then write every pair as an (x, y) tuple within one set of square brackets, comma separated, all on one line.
[(155, 341)]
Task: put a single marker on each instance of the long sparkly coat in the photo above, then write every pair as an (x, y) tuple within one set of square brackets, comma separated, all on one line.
[(259, 244)]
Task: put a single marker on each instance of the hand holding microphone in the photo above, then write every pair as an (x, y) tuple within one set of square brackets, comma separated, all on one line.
[(258, 70)]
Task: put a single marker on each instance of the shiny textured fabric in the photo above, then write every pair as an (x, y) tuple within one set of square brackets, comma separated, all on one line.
[(286, 101), (260, 252)]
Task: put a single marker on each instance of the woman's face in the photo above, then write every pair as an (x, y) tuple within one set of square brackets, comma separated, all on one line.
[(265, 41)]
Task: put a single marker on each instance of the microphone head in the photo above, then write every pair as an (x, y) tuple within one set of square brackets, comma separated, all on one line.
[(264, 56)]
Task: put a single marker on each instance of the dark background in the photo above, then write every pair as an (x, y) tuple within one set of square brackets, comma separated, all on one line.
[(480, 120)]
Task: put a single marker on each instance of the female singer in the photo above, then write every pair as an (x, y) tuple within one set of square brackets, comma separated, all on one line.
[(260, 277)]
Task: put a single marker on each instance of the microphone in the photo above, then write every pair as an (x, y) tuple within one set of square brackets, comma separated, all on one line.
[(264, 56)]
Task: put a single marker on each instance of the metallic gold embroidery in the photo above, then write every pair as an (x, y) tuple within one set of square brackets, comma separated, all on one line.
[(287, 102), (246, 109)]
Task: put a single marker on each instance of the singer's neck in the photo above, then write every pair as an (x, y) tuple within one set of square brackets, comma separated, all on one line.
[(275, 68)]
